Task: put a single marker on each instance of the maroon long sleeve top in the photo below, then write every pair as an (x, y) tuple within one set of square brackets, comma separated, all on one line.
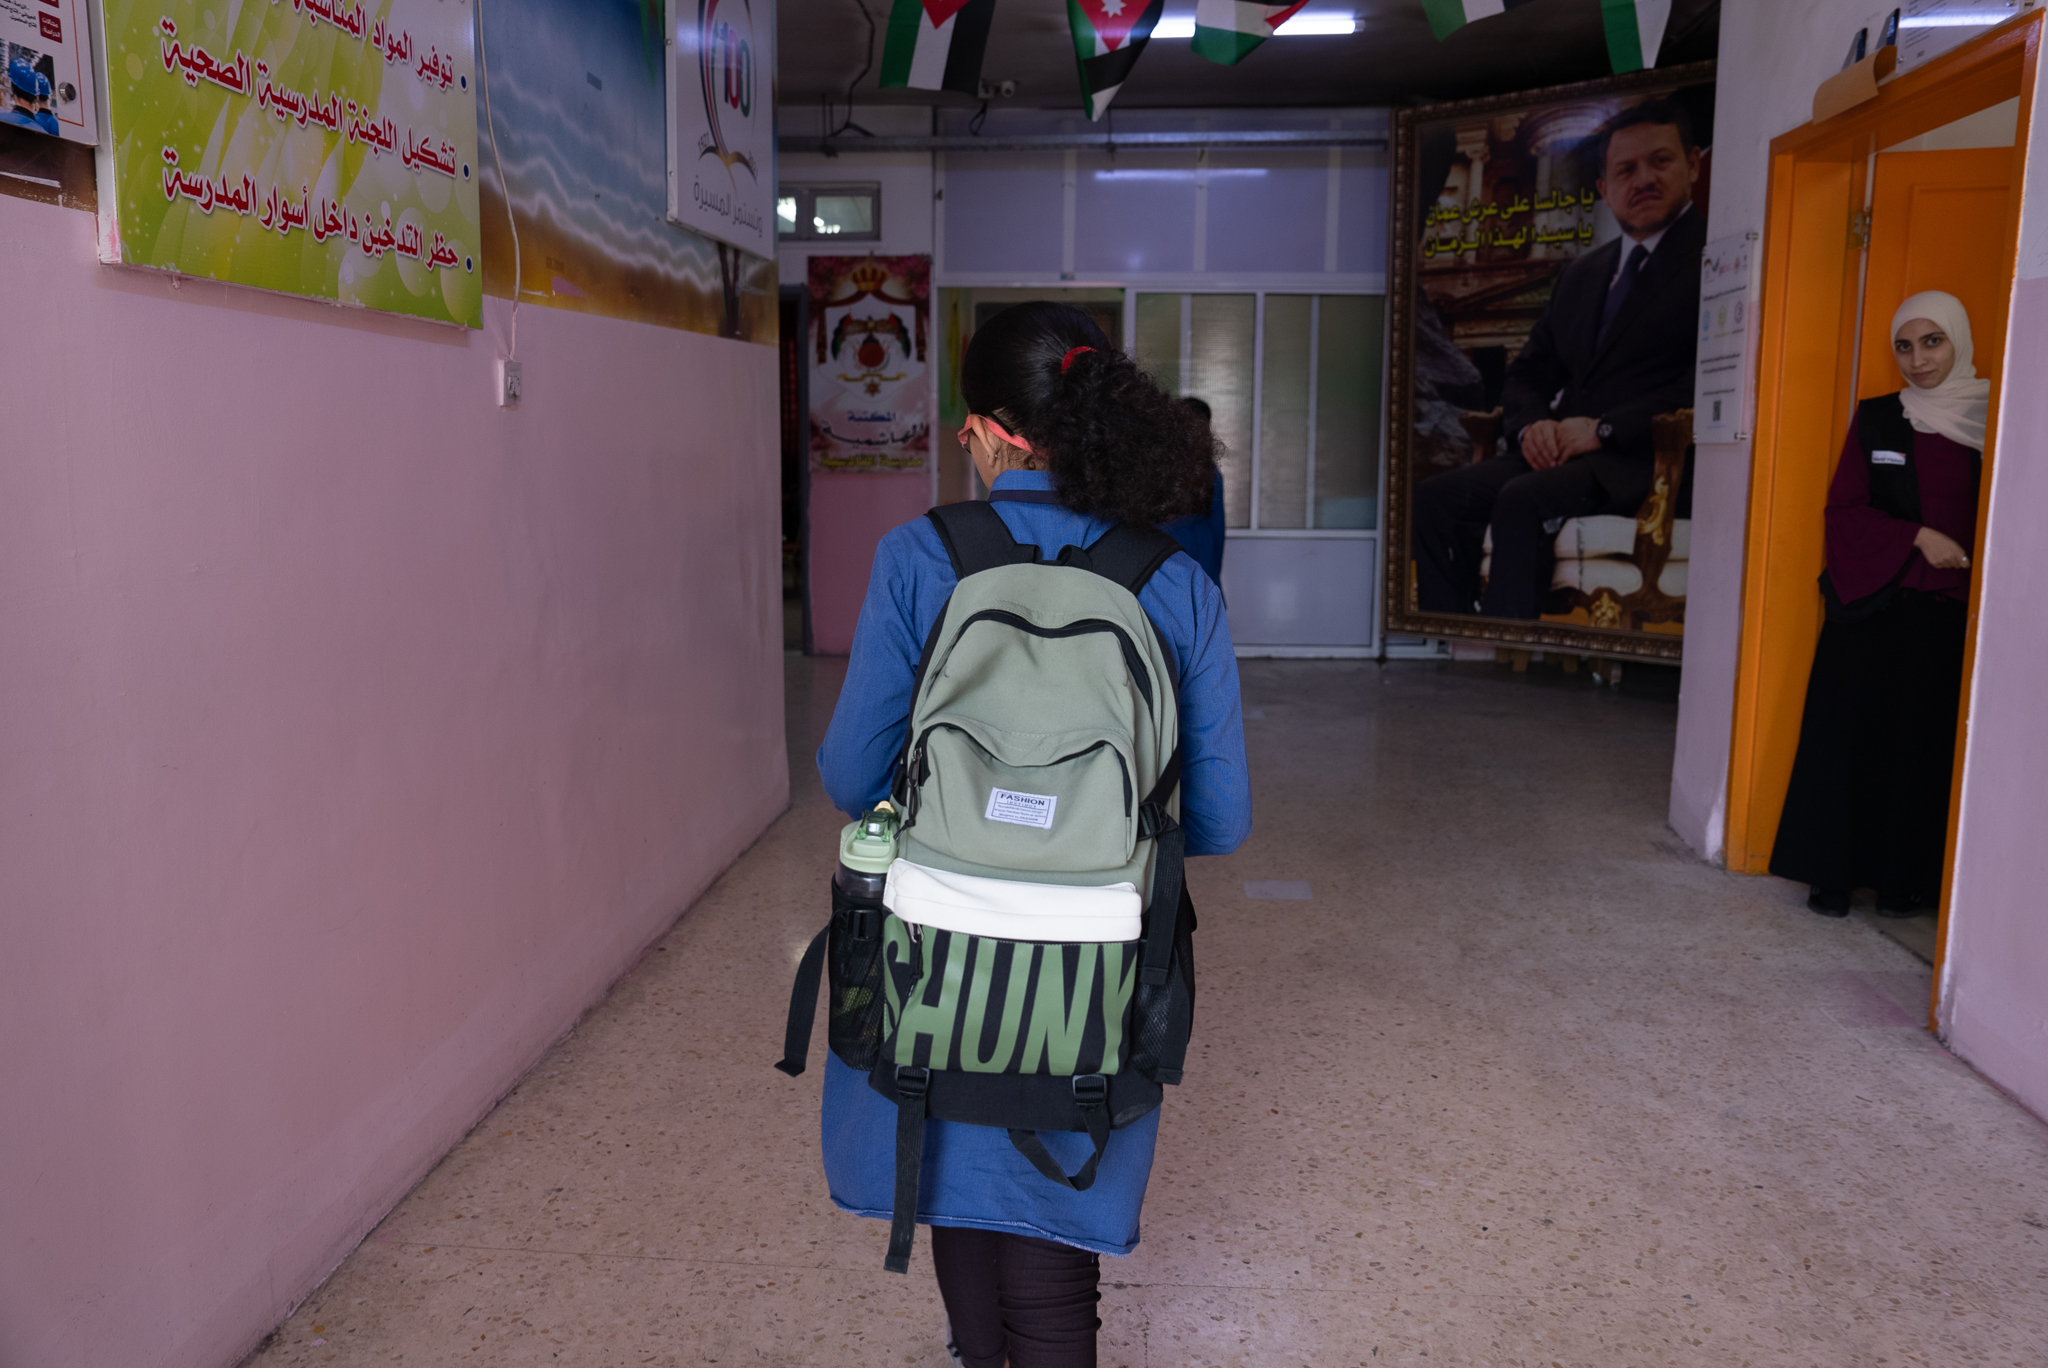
[(1866, 546)]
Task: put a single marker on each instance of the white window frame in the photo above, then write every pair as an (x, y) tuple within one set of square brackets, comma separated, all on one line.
[(806, 194), (1259, 293)]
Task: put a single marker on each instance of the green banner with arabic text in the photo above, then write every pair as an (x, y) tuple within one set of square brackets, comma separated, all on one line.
[(325, 148)]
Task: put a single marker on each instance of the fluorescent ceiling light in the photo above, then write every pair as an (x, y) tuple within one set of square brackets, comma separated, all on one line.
[(1958, 19), (1317, 26), (1300, 26), (1212, 173)]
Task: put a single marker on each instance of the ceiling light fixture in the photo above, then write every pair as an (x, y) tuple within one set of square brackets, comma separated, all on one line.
[(1300, 26), (1317, 26), (1958, 19)]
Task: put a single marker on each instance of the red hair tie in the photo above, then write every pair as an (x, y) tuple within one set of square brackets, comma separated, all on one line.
[(1067, 361)]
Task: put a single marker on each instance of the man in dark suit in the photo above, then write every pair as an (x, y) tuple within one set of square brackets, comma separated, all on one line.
[(1614, 348)]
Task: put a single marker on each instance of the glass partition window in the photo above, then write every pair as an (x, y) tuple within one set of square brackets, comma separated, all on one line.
[(1285, 373), (830, 213), (843, 214), (1293, 386), (1349, 339), (1217, 345)]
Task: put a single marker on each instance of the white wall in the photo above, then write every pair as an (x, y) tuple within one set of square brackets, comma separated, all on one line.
[(355, 734), (906, 179), (1773, 54), (1299, 220)]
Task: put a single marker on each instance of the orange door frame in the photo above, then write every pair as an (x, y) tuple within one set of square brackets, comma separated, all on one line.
[(1807, 332)]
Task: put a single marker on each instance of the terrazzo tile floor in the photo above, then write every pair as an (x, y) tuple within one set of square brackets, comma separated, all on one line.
[(1519, 1082)]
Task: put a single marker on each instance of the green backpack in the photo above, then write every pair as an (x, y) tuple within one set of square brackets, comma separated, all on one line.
[(1034, 967)]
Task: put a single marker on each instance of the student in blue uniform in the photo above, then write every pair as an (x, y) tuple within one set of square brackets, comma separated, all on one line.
[(1202, 534), (1070, 438)]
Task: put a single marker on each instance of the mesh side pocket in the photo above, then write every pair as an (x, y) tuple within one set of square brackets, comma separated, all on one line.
[(1163, 1017), (853, 1026)]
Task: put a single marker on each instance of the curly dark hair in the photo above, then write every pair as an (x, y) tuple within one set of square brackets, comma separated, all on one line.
[(1117, 445)]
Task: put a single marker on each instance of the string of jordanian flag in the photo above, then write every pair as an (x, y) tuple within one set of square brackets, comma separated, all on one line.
[(1635, 28), (938, 44)]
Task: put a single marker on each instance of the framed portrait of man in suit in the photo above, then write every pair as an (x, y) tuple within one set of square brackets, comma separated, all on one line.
[(1544, 310)]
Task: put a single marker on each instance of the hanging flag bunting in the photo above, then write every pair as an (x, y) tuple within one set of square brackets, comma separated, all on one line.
[(1226, 31), (1108, 36), (1446, 17), (937, 44), (1635, 32)]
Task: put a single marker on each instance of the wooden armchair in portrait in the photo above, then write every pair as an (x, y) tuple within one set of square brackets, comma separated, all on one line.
[(1611, 571)]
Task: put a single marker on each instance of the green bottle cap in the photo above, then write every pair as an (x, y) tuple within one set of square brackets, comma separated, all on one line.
[(869, 845)]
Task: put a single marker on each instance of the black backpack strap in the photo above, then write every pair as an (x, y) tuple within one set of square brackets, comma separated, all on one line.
[(976, 538), (1128, 553), (1168, 869), (1091, 1099), (912, 1085), (803, 1005)]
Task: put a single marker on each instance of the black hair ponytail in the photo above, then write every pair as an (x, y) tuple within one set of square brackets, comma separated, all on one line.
[(1117, 445)]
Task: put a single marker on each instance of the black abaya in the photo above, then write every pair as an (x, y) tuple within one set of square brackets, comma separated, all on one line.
[(1868, 803)]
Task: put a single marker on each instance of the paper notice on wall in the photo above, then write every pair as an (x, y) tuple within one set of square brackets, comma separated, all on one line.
[(1928, 28), (46, 69), (1721, 383)]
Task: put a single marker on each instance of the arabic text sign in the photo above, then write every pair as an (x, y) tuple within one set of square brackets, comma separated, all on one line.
[(1562, 219), (871, 384), (1720, 406), (721, 120), (320, 147)]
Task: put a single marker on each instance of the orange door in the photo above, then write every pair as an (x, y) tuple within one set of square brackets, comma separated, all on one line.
[(1937, 222)]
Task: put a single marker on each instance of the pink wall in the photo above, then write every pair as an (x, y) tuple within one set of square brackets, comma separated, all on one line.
[(1995, 977), (848, 515), (354, 735)]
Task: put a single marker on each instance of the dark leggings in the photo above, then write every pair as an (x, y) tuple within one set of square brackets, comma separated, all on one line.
[(1012, 1299)]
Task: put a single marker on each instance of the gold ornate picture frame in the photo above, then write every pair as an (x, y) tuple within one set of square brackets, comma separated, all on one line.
[(1475, 255)]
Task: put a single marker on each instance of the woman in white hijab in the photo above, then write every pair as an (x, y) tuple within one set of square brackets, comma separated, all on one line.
[(1867, 806)]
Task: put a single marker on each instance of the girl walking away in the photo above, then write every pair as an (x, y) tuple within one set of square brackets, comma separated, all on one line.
[(1042, 692)]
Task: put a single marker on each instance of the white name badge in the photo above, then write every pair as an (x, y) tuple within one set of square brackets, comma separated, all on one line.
[(1887, 458), (1021, 809)]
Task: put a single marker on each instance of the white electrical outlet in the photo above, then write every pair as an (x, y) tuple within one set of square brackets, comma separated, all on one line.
[(508, 383)]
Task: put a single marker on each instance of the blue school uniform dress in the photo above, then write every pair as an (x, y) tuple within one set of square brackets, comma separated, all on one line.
[(1201, 535), (972, 1175)]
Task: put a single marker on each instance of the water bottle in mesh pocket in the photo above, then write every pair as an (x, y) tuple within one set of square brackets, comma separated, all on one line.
[(854, 1016), (850, 946)]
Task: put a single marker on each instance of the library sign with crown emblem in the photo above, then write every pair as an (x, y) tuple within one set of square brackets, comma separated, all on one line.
[(871, 385), (721, 120)]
